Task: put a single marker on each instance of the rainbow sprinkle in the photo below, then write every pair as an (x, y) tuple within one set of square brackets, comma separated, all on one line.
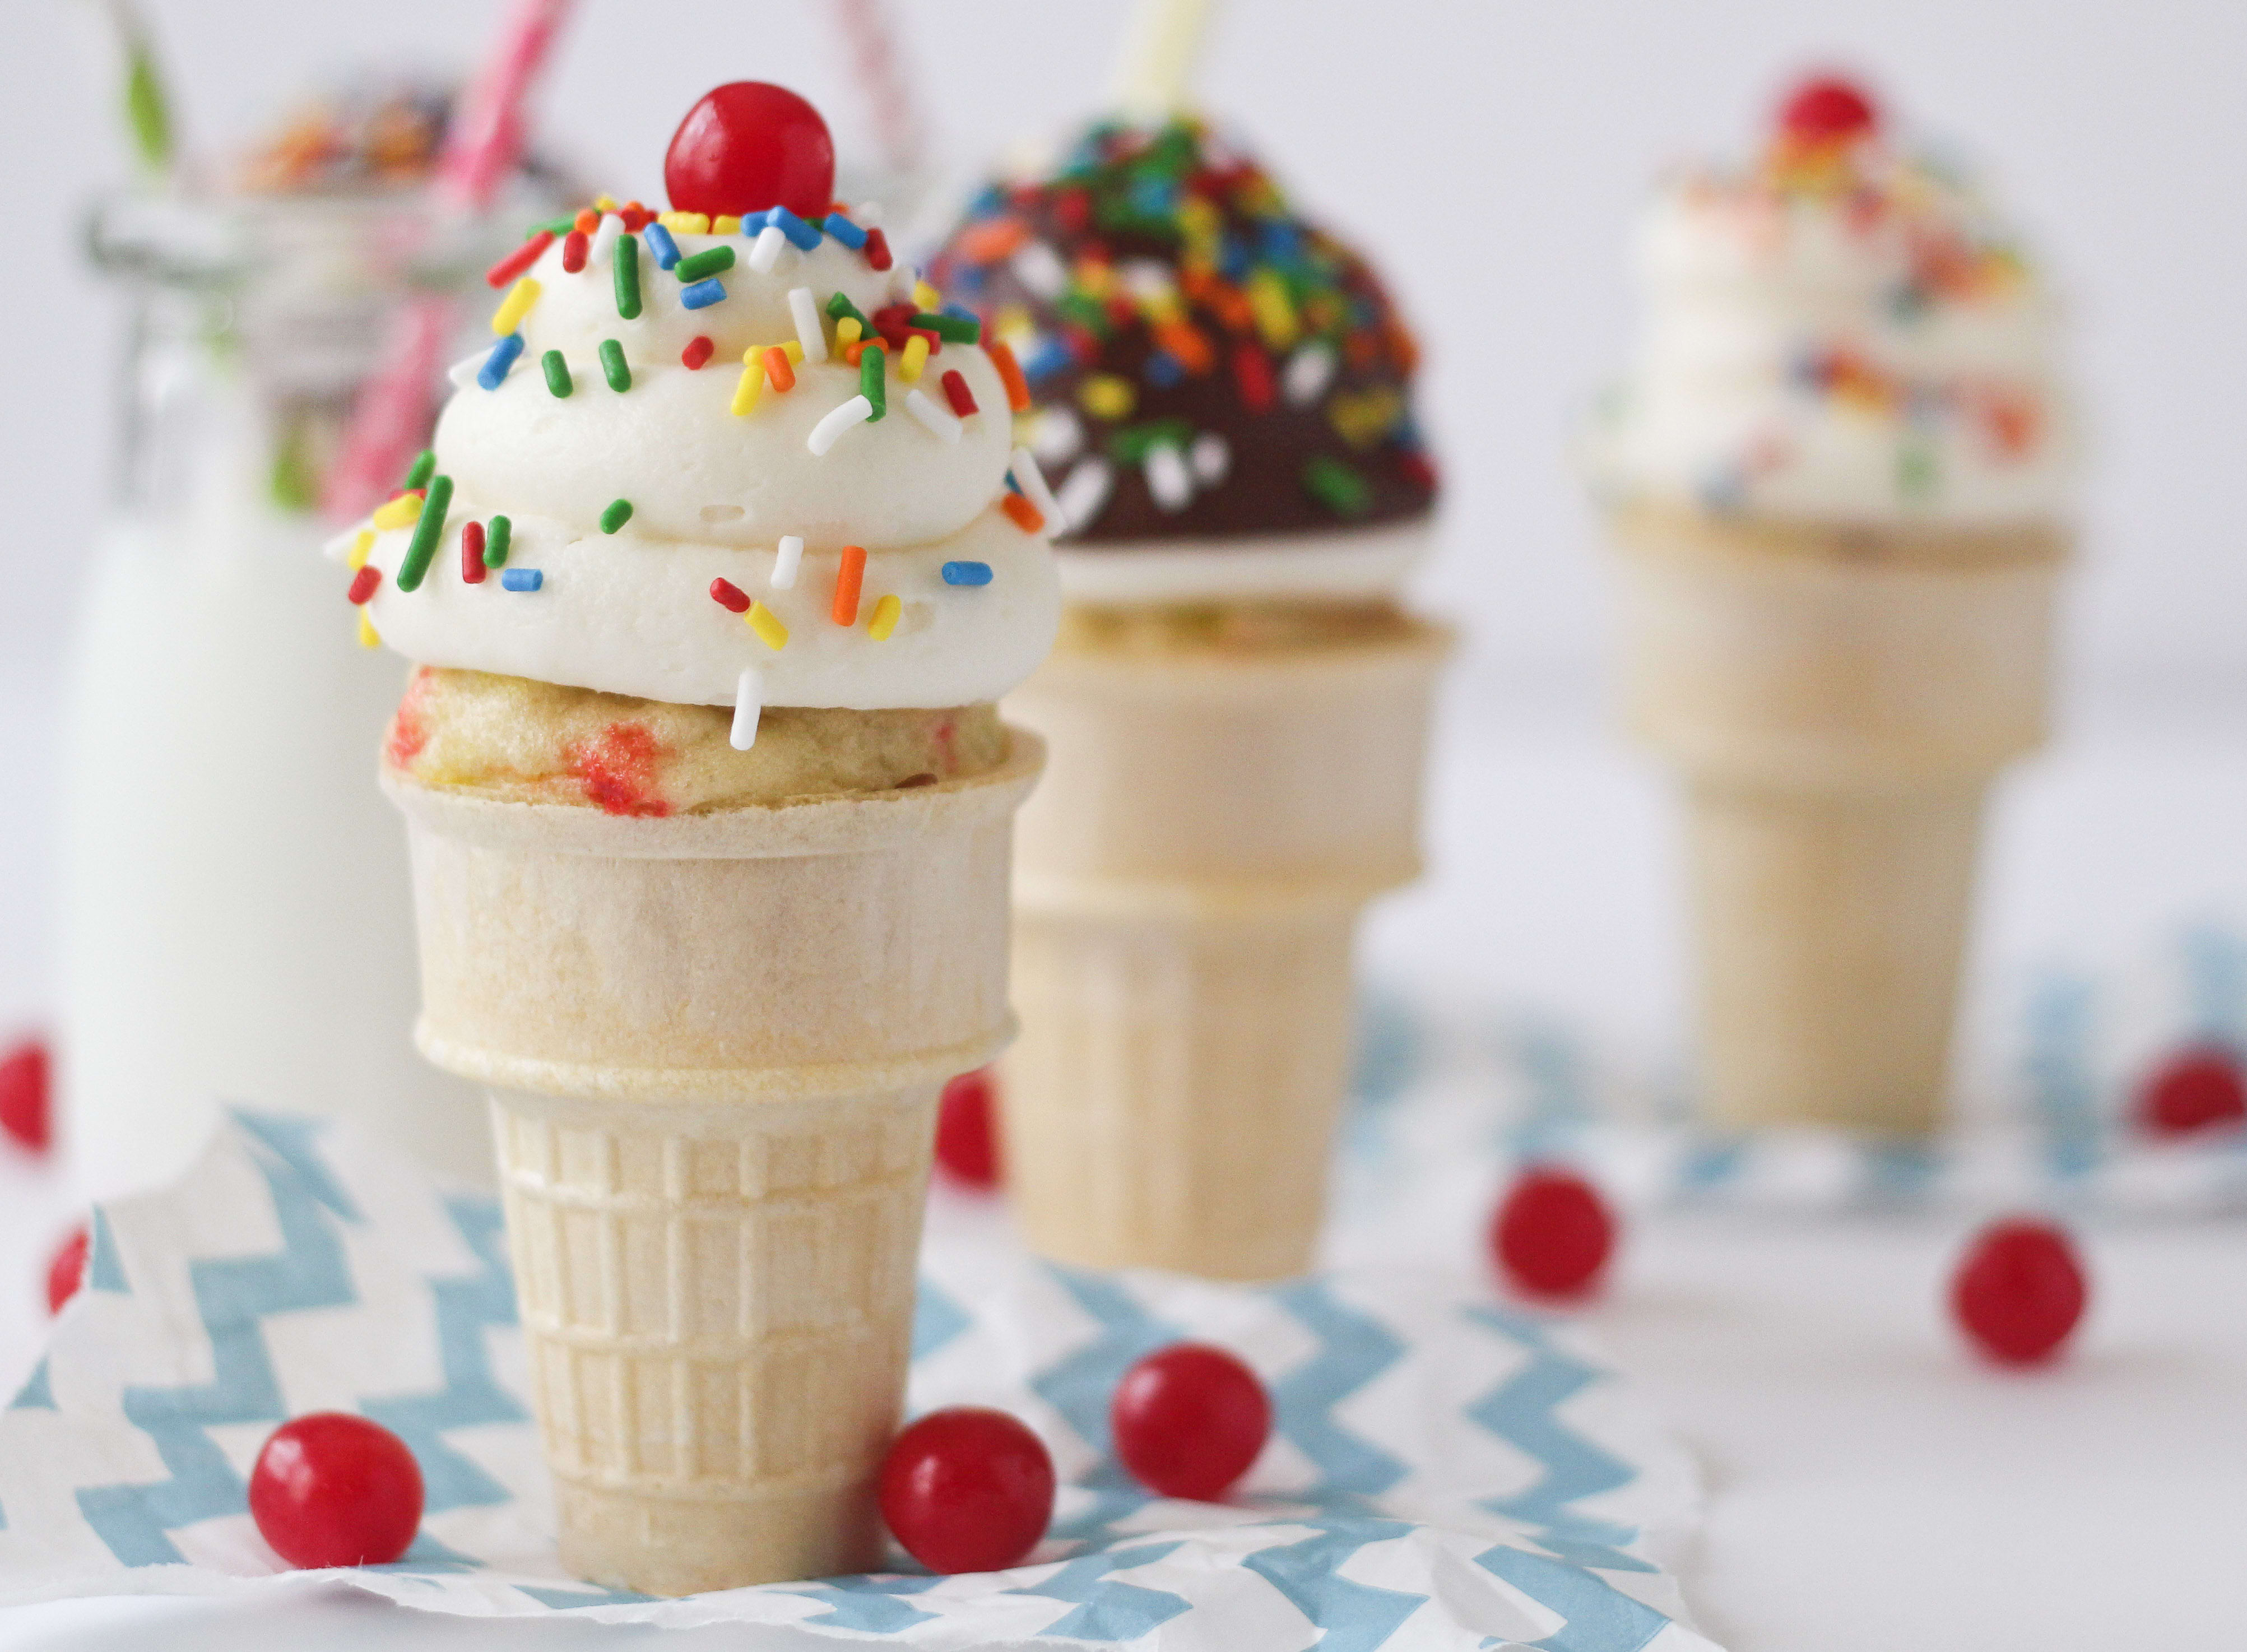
[(787, 561), (502, 358), (873, 385), (715, 261), (398, 512), (515, 306), (429, 527), (626, 263), (613, 365), (767, 626), (849, 575), (829, 430)]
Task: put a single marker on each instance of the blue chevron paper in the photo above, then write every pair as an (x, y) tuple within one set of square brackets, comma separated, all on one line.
[(1445, 1099), (1444, 1472)]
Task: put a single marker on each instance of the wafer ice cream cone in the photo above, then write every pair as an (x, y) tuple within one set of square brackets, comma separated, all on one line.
[(711, 812), (714, 1044), (1238, 709), (1838, 490)]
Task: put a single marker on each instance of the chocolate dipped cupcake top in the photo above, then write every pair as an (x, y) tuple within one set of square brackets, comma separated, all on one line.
[(1220, 389)]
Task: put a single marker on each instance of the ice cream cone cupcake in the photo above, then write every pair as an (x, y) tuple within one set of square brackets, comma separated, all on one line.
[(1237, 710), (713, 578), (1839, 482)]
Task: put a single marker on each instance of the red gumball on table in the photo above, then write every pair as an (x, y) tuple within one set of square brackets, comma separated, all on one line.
[(1552, 1234), (2019, 1291), (968, 1131), (749, 146), (1189, 1420), (66, 1269), (2199, 1089), (25, 1092), (967, 1490), (335, 1489)]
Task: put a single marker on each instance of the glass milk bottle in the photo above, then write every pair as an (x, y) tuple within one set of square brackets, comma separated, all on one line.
[(236, 913)]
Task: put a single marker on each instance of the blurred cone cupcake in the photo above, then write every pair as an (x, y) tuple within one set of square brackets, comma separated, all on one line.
[(1237, 709), (1839, 483), (709, 805)]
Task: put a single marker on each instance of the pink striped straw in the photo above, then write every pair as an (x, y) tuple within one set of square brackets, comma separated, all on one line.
[(879, 64), (483, 142)]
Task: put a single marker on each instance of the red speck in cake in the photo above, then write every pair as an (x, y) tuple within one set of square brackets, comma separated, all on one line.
[(618, 768), (945, 731), (408, 734)]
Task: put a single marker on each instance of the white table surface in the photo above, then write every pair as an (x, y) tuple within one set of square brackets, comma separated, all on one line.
[(1870, 1486)]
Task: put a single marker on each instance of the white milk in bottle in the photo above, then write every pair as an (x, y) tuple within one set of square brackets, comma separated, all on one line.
[(237, 923)]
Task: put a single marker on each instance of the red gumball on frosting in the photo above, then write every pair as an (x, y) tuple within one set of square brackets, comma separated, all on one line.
[(1828, 109), (749, 146)]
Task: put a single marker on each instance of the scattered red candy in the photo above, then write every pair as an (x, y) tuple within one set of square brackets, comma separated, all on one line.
[(332, 1489), (967, 1490), (25, 1112), (748, 145), (1551, 1234), (2019, 1291), (697, 352), (2196, 1090), (1189, 1419), (1828, 109), (66, 1269), (967, 1132)]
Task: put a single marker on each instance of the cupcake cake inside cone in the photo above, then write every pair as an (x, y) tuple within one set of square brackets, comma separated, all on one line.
[(713, 574), (723, 516), (1838, 479), (1219, 390)]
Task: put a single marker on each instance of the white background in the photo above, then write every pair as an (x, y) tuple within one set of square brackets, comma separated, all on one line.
[(1491, 156)]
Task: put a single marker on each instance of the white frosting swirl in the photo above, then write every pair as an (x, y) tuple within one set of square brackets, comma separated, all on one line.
[(1861, 344), (712, 494)]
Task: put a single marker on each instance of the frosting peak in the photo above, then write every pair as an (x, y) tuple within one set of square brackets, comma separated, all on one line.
[(1839, 330), (722, 463)]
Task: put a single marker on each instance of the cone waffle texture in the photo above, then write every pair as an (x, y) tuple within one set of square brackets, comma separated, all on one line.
[(1188, 881), (1837, 701), (714, 1046)]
